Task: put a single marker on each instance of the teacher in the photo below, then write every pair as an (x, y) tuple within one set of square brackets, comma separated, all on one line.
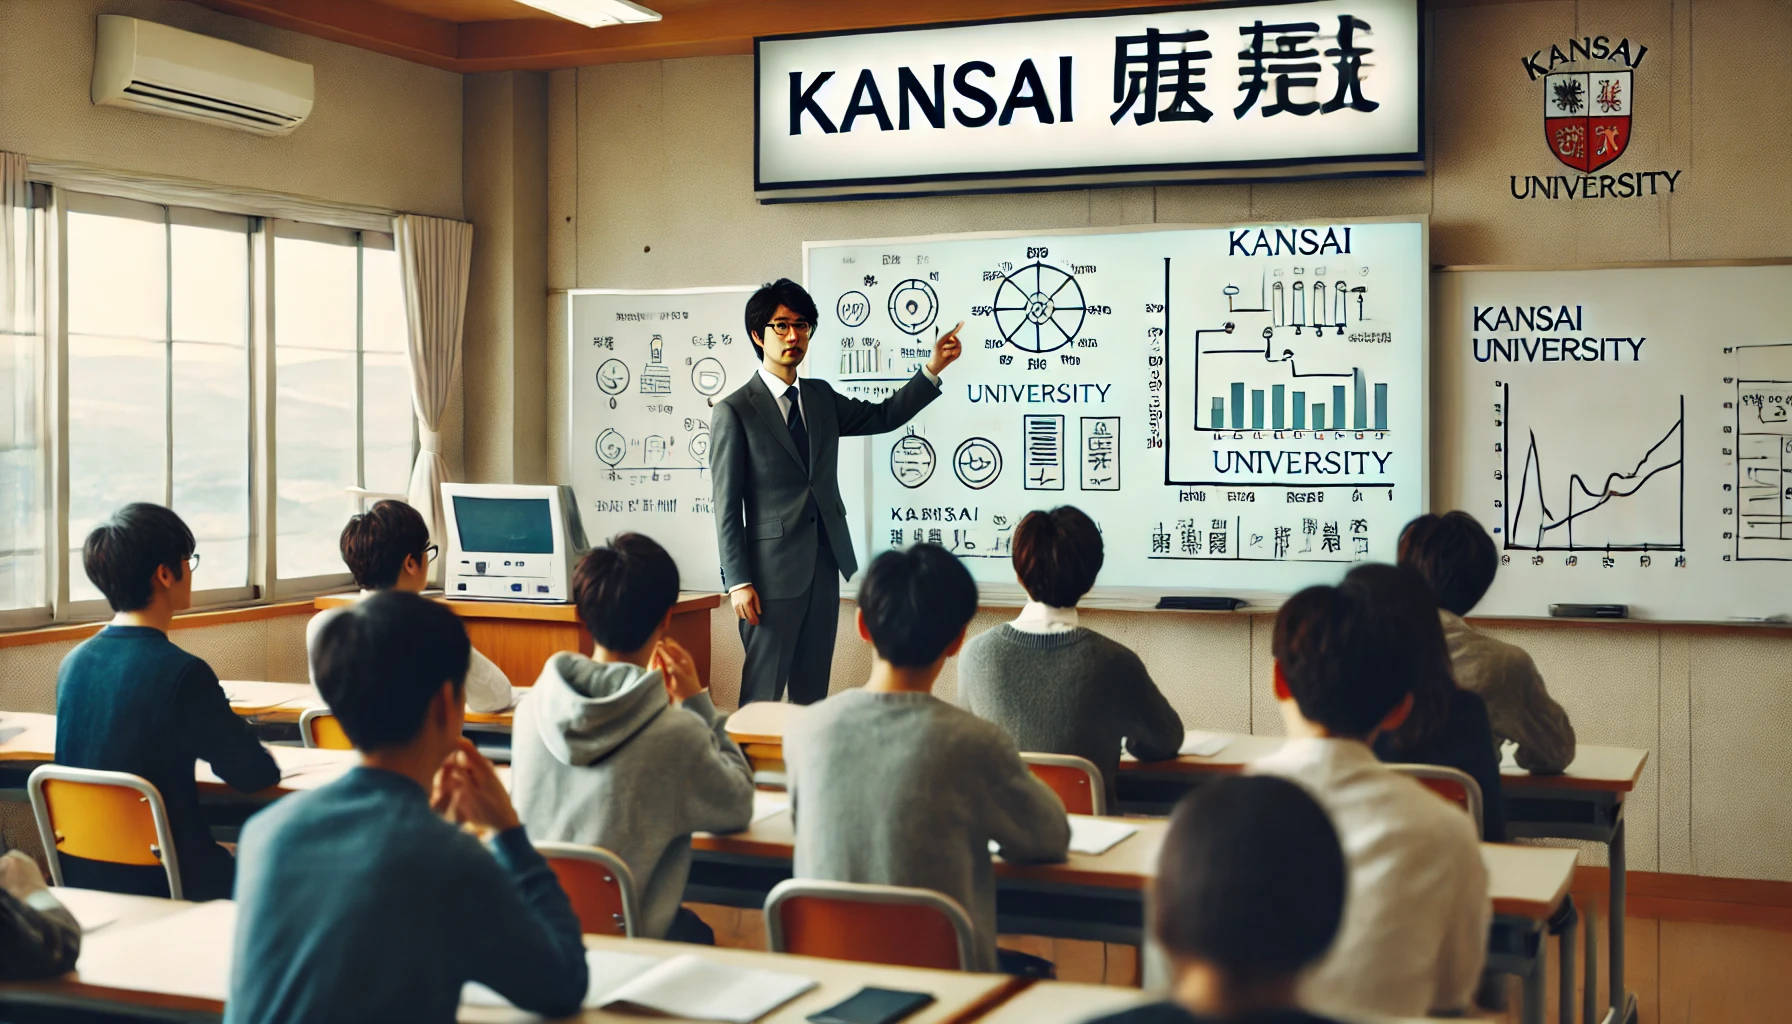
[(780, 523)]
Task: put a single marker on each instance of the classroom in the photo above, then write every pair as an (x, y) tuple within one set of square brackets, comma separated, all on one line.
[(623, 331)]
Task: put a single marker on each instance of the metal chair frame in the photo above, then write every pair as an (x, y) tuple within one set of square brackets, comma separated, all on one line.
[(624, 878), (1098, 789), (1439, 773), (164, 850), (306, 717), (859, 892)]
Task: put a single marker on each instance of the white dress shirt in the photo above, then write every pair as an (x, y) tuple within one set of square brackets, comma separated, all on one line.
[(1043, 618), (1414, 935)]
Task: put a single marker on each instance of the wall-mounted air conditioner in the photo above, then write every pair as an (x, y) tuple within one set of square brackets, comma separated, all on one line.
[(162, 70)]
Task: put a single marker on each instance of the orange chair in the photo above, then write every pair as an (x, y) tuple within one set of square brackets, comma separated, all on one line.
[(598, 883), (114, 817), (877, 924), (319, 728), (1452, 784), (1076, 780)]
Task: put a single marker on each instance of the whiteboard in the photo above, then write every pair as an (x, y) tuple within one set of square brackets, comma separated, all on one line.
[(1624, 434), (1241, 409), (645, 367)]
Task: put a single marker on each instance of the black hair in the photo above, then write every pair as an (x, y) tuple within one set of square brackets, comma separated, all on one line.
[(381, 661), (1455, 556), (624, 590), (1401, 594), (1345, 653), (916, 602), (765, 302), (375, 543), (1057, 555), (1251, 879), (122, 554)]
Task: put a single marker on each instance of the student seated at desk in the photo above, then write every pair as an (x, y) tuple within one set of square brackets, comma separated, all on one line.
[(129, 700), (387, 548), (1249, 893), (1415, 922), (1458, 559), (891, 785), (357, 901), (38, 936), (601, 753), (1057, 687)]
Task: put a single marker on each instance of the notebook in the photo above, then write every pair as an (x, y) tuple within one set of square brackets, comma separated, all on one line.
[(1092, 836), (687, 986), (1203, 744)]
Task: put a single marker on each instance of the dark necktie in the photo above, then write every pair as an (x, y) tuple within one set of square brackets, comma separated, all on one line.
[(798, 433)]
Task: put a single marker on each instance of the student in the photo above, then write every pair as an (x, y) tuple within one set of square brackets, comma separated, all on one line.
[(1249, 893), (602, 754), (1448, 725), (357, 901), (387, 548), (38, 936), (891, 785), (1057, 687), (1415, 921), (1457, 558), (129, 700)]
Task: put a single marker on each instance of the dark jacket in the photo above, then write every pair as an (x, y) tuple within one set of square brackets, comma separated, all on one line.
[(1464, 741)]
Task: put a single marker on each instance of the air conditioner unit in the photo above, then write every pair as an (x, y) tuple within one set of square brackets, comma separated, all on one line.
[(161, 70)]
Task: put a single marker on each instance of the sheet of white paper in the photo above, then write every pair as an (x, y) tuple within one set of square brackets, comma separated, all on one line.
[(1096, 836), (1508, 755), (1204, 744), (294, 760), (694, 987), (11, 732), (608, 972), (767, 804)]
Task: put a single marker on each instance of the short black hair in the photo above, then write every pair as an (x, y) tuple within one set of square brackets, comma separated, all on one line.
[(1402, 594), (375, 543), (1057, 555), (1251, 879), (765, 302), (624, 589), (381, 661), (1455, 556), (916, 602), (122, 554), (1345, 655)]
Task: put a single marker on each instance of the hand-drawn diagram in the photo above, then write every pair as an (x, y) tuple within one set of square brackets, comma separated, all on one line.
[(1043, 439), (656, 376), (977, 463), (1306, 301), (862, 357), (1763, 508), (1099, 456), (612, 377), (913, 306), (611, 447), (654, 449), (853, 309), (912, 461), (1039, 308), (699, 448), (708, 376)]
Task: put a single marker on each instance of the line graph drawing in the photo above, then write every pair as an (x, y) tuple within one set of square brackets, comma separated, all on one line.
[(1633, 506), (1763, 509), (1039, 308)]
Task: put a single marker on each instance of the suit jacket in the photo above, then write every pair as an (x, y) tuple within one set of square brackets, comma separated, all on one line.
[(767, 503)]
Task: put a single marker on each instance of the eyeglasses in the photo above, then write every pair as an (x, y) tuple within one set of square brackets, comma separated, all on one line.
[(193, 562), (783, 328), (430, 553)]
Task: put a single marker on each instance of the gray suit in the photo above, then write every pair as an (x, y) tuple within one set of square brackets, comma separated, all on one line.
[(781, 526)]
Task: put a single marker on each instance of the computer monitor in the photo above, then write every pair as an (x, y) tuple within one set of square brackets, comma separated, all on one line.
[(512, 542)]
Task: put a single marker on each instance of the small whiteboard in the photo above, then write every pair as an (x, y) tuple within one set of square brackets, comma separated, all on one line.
[(645, 368)]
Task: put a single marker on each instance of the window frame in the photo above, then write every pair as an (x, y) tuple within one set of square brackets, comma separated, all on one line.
[(41, 214)]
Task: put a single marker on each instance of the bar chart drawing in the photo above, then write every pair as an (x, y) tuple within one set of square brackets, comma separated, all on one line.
[(1763, 509), (1237, 405)]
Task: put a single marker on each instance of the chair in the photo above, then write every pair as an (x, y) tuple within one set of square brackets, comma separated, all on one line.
[(319, 728), (115, 817), (1452, 784), (877, 924), (1076, 780), (599, 885)]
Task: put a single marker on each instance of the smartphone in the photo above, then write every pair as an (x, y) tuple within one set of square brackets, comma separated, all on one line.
[(872, 1006)]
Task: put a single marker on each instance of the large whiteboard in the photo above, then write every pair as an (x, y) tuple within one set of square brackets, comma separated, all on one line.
[(1626, 434), (1241, 409), (645, 367)]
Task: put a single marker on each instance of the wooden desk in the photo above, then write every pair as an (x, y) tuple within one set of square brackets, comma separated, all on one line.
[(1529, 885), (283, 703), (1064, 1001), (520, 637), (37, 741)]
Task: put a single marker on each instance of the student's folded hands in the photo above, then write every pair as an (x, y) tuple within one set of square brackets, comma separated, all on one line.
[(678, 669), (469, 793)]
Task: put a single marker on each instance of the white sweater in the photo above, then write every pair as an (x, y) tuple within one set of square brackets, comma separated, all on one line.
[(488, 688)]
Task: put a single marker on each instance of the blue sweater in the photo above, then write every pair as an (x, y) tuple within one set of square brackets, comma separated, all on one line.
[(128, 700), (356, 903)]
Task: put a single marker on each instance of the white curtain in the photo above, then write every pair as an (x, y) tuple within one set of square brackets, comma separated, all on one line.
[(436, 255), (15, 196)]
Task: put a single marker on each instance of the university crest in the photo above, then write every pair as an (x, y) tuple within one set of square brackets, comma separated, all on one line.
[(1586, 117)]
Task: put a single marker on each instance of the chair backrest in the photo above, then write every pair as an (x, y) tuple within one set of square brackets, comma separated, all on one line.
[(1076, 780), (114, 817), (878, 924), (1452, 784), (319, 728), (598, 883)]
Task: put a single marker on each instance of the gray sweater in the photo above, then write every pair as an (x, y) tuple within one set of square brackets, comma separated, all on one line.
[(600, 756), (906, 789), (1069, 693)]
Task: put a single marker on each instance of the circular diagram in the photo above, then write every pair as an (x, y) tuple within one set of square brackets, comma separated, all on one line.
[(912, 461), (977, 463), (612, 377), (853, 309), (699, 448), (913, 306), (708, 377), (611, 447), (1039, 308)]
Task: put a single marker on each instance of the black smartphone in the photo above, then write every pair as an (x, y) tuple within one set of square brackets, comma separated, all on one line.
[(872, 1006)]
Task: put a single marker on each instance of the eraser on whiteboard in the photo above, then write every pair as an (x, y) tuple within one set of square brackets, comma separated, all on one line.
[(1187, 603), (1589, 611)]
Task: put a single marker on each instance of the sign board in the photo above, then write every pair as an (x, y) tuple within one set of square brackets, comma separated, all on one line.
[(1210, 92)]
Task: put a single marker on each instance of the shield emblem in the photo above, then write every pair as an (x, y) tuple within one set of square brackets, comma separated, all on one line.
[(1586, 117)]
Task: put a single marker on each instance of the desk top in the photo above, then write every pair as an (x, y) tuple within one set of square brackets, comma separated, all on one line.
[(1527, 881), (285, 702), (688, 601), (36, 741), (1064, 1001)]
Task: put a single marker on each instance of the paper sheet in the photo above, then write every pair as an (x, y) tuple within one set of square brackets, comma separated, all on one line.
[(766, 805), (1204, 744), (1095, 836), (688, 986), (608, 972)]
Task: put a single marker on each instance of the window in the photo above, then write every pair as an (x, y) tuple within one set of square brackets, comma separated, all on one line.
[(343, 422), (22, 489)]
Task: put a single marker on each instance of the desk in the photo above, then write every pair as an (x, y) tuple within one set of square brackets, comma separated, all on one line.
[(1528, 885), (283, 703), (1064, 1001), (520, 637)]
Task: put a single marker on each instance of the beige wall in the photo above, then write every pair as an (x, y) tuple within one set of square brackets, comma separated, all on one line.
[(650, 186)]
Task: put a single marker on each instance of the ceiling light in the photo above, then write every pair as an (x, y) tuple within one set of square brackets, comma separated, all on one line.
[(592, 13)]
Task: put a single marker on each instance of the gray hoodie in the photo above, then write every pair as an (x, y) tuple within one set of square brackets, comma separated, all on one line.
[(600, 756)]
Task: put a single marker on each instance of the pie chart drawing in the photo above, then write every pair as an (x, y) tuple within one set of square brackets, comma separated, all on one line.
[(1039, 308), (977, 463), (913, 306), (912, 461), (612, 377), (708, 376), (611, 447)]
